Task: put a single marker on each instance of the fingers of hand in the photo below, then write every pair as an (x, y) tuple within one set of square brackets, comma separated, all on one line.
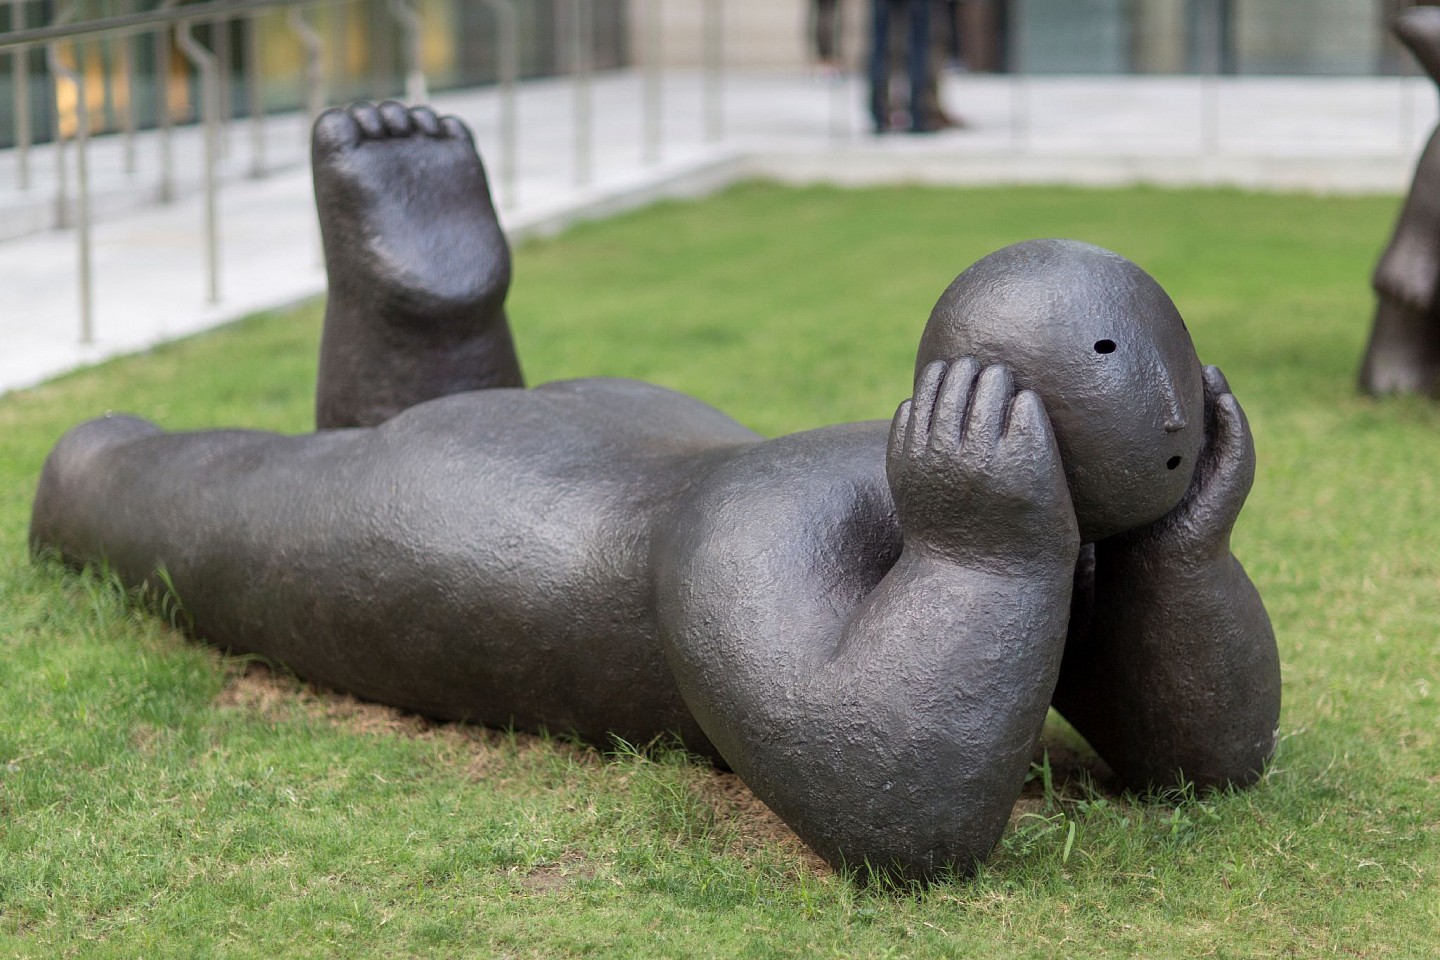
[(986, 422), (917, 436), (1234, 443), (962, 409), (1215, 383), (1229, 464), (947, 425), (1029, 425), (899, 429)]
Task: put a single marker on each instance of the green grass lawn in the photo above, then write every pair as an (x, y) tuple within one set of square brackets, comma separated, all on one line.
[(158, 799)]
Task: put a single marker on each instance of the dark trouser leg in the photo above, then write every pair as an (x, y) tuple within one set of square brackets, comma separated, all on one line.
[(880, 64), (826, 20), (917, 61)]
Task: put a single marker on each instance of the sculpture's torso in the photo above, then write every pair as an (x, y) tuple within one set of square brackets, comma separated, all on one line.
[(505, 569)]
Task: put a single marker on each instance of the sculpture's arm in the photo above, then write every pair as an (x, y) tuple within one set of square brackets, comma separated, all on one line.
[(892, 723), (1176, 677), (1409, 269)]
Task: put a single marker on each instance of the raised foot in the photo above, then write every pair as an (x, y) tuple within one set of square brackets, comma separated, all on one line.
[(418, 265), (406, 215)]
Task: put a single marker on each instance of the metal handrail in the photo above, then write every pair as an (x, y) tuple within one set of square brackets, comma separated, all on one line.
[(208, 11), (82, 174), (581, 22), (165, 121), (408, 17), (653, 105), (713, 13), (209, 62), (20, 74), (507, 37), (209, 66), (314, 47)]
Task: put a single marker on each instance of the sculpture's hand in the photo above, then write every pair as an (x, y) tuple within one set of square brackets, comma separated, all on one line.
[(975, 470), (1199, 526)]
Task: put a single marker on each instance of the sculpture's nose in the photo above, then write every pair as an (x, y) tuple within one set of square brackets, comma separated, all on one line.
[(1171, 411)]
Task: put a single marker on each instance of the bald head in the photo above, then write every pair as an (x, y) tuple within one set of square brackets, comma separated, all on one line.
[(1105, 348)]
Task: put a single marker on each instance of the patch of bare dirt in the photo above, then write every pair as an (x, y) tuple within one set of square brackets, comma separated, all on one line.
[(754, 823), (261, 690), (557, 876)]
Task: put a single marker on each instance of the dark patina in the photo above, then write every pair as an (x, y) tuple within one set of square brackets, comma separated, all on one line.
[(868, 622)]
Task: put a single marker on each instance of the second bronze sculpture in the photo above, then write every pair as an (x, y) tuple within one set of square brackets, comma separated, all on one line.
[(1403, 355), (868, 622)]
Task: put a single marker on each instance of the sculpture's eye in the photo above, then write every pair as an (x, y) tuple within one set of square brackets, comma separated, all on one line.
[(1104, 346), (1172, 463)]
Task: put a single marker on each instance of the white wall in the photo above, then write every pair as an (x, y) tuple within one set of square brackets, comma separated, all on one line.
[(758, 34)]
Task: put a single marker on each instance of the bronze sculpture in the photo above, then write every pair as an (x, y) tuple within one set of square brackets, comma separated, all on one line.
[(868, 622), (1403, 355)]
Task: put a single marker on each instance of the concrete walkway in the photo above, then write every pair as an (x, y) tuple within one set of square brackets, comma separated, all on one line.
[(1353, 135)]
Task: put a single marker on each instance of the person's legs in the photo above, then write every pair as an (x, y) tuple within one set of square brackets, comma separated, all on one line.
[(826, 22), (880, 64), (417, 263), (917, 62)]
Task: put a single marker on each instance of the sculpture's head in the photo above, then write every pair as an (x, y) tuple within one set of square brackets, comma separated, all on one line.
[(1105, 348)]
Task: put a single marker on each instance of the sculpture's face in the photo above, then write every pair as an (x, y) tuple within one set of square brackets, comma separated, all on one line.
[(1106, 350)]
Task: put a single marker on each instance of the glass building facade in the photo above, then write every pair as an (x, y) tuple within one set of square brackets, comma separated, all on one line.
[(362, 58), (362, 43), (1234, 37)]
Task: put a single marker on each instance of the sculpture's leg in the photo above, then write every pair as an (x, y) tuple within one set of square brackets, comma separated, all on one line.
[(1404, 351), (417, 262)]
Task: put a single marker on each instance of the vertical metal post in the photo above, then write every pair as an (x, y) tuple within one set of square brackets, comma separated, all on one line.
[(314, 71), (714, 42), (1020, 120), (82, 176), (1209, 113), (61, 73), (224, 70), (1213, 32), (507, 39), (255, 96), (408, 17), (841, 97), (163, 119), (580, 42), (126, 69), (208, 66), (20, 76), (653, 93), (334, 17)]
